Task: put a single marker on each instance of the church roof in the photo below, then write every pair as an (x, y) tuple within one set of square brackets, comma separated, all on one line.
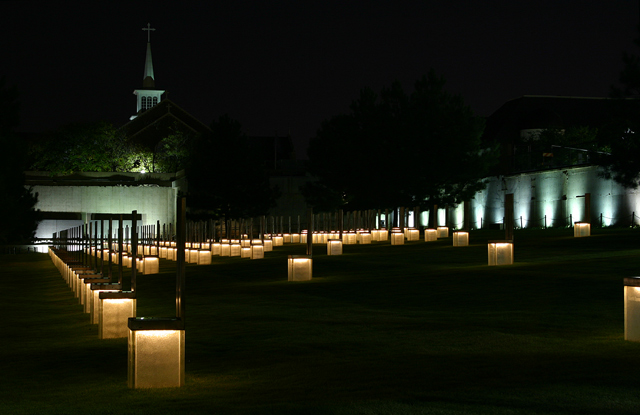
[(161, 120)]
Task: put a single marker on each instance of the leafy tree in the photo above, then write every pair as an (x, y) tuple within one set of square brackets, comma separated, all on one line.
[(90, 147), (398, 149), (226, 177), (173, 152), (19, 218)]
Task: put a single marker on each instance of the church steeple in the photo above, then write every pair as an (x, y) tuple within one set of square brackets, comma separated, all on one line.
[(148, 95), (149, 80)]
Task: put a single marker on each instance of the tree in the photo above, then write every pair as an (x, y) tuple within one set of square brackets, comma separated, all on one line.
[(19, 218), (397, 149), (621, 135), (173, 152), (226, 177), (90, 147)]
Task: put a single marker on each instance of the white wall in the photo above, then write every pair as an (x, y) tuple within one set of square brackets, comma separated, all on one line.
[(152, 202), (555, 194)]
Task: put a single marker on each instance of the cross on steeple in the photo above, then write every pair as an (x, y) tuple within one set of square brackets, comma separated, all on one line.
[(148, 29)]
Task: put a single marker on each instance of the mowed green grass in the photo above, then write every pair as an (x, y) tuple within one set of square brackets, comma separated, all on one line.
[(423, 328)]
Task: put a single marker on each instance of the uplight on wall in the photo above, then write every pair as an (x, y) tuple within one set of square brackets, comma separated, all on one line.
[(300, 267), (334, 247), (156, 353), (632, 309), (460, 238), (500, 252), (443, 231), (581, 229)]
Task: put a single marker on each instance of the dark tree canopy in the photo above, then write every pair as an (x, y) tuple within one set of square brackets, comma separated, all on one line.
[(227, 178), (622, 135), (397, 149), (19, 218)]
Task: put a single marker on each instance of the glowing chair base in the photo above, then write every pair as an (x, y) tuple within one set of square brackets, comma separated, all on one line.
[(461, 239), (334, 247), (156, 353), (300, 267), (500, 252), (632, 309), (581, 229), (115, 310)]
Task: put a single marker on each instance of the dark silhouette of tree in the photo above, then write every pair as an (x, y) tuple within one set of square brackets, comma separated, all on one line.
[(19, 218), (397, 149), (622, 135), (227, 178)]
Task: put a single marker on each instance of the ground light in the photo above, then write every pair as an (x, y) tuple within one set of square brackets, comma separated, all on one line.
[(581, 229), (397, 237), (412, 234), (443, 231), (334, 247), (430, 235), (632, 309), (300, 267), (460, 238), (500, 252)]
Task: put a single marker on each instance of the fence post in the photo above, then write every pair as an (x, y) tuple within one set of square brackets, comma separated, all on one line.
[(545, 221)]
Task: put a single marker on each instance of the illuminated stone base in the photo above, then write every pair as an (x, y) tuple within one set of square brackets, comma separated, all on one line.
[(364, 238), (581, 229), (430, 235), (156, 353), (397, 238), (500, 252), (300, 267), (115, 310), (204, 257), (412, 234), (461, 238), (349, 238), (443, 231), (151, 265), (632, 309), (257, 251), (334, 247)]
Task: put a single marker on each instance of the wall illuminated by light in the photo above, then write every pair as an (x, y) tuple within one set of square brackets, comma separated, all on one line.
[(551, 198)]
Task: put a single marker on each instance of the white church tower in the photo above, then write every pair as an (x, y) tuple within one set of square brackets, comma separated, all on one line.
[(148, 95)]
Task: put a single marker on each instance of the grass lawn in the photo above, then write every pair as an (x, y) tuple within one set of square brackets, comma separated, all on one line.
[(423, 328)]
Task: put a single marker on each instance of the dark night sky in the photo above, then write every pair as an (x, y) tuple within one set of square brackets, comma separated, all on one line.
[(281, 67)]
